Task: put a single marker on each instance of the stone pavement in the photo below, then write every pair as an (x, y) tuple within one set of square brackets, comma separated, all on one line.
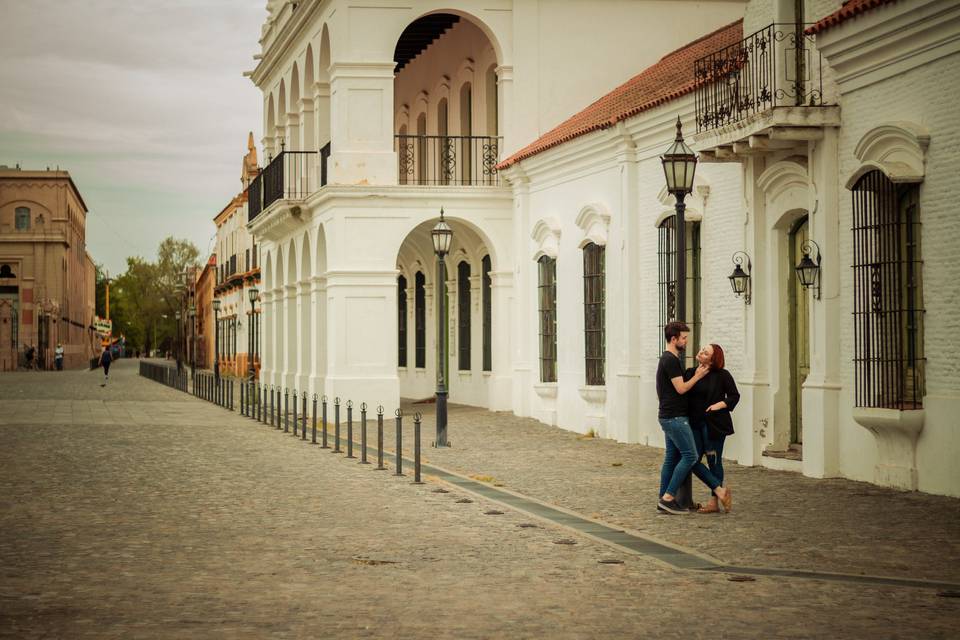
[(139, 511)]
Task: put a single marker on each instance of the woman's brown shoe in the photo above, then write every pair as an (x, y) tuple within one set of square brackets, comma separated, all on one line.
[(710, 507), (727, 500)]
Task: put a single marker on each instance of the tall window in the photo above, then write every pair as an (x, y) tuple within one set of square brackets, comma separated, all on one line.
[(22, 218), (667, 270), (485, 291), (888, 294), (420, 319), (594, 295), (401, 321), (463, 315), (548, 318)]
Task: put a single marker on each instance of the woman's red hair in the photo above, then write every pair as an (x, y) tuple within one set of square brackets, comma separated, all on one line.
[(717, 361)]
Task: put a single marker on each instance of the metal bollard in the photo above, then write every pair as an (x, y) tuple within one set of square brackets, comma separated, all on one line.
[(243, 406), (314, 418), (263, 390), (231, 394), (303, 418), (380, 466), (336, 425), (399, 461), (323, 419), (350, 429), (416, 448), (286, 410), (293, 401), (272, 407), (363, 433)]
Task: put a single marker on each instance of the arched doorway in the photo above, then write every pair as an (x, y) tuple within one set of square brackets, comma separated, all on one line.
[(798, 319)]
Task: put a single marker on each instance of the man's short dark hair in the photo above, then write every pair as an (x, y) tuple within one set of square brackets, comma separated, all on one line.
[(674, 329)]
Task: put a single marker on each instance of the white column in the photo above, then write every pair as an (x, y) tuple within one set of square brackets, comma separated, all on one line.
[(318, 334), (504, 105), (499, 387), (293, 131), (361, 123), (362, 338), (266, 346), (304, 342), (290, 337), (308, 131), (321, 112)]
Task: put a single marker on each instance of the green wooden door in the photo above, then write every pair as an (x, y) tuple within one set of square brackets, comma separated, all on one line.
[(799, 333)]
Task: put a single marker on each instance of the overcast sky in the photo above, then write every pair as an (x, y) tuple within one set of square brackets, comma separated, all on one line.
[(142, 101)]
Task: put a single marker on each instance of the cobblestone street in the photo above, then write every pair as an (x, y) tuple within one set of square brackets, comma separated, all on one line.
[(136, 510)]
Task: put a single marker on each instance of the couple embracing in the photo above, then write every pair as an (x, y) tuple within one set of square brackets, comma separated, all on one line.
[(695, 408)]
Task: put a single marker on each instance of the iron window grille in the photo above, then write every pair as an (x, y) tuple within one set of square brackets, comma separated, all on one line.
[(888, 295), (547, 289), (485, 291), (401, 321), (667, 281), (463, 316), (420, 319), (594, 296)]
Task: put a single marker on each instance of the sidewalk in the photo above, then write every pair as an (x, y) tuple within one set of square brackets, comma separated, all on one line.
[(779, 519)]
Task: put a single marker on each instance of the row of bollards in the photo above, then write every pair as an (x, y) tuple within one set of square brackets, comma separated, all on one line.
[(263, 404)]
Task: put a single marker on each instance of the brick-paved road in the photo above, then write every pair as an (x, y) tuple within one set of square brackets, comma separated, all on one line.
[(138, 511)]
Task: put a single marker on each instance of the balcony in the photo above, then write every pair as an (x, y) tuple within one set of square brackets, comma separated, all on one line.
[(292, 175), (764, 92), (447, 160)]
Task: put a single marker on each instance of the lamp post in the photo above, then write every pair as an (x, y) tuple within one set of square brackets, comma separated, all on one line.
[(679, 165), (193, 338), (442, 236), (216, 339), (179, 355), (253, 293)]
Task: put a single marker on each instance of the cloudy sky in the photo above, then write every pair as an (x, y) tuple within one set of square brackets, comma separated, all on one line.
[(142, 101)]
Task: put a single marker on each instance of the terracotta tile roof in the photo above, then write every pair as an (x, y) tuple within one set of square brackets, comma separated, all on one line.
[(850, 9), (668, 79)]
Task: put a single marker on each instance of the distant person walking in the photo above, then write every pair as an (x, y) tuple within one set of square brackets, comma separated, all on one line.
[(58, 357), (105, 359), (29, 356)]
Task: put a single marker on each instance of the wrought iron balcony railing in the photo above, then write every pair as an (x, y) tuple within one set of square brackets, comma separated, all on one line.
[(777, 66), (291, 175), (448, 160)]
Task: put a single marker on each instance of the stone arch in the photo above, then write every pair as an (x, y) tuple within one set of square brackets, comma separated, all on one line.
[(546, 235), (696, 202), (787, 190), (489, 32), (308, 73), (324, 56), (898, 149), (594, 220)]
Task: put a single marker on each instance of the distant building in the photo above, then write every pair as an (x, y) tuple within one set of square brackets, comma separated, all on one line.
[(47, 279), (204, 299), (238, 269)]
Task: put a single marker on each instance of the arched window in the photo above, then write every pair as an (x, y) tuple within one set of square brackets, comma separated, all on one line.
[(401, 321), (667, 270), (422, 149), (22, 218), (888, 294), (420, 319), (485, 291), (492, 124), (466, 131), (448, 153), (463, 316), (594, 295), (548, 318)]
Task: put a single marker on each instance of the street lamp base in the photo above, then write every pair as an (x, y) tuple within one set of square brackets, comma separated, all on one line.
[(441, 440)]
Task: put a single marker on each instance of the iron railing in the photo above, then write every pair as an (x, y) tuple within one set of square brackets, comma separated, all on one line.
[(448, 160), (291, 175), (777, 66), (255, 197)]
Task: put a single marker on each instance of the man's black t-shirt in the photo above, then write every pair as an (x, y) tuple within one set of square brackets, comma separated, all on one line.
[(672, 404)]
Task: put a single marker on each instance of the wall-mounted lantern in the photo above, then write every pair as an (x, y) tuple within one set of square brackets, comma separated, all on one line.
[(808, 271), (740, 279)]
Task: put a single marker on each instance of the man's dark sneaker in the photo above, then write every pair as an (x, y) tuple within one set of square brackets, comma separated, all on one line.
[(671, 506)]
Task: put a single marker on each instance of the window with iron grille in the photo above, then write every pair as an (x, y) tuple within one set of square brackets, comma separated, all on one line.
[(667, 282), (888, 294), (485, 291), (547, 289), (401, 321), (420, 319), (463, 316), (22, 220), (594, 312)]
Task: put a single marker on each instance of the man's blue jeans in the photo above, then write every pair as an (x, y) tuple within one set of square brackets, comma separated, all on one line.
[(680, 454)]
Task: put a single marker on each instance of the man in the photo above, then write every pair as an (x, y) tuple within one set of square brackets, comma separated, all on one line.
[(681, 450), (58, 357), (106, 357)]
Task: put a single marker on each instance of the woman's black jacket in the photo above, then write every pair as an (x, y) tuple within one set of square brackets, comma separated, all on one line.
[(712, 388)]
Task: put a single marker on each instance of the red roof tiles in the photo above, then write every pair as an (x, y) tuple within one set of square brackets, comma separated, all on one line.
[(850, 9), (668, 79)]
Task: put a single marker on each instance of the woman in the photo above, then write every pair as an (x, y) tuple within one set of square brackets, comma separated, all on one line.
[(105, 359), (711, 401)]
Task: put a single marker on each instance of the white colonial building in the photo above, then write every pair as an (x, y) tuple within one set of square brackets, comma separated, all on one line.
[(825, 131)]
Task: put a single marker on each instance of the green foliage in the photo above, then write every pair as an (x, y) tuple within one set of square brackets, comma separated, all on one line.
[(144, 299)]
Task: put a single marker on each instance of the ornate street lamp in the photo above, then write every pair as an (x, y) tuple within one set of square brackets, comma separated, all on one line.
[(740, 279), (216, 340), (679, 166), (442, 236), (193, 338), (252, 293), (808, 271), (179, 355)]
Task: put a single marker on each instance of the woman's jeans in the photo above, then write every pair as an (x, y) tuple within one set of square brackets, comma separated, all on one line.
[(680, 455), (712, 445)]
